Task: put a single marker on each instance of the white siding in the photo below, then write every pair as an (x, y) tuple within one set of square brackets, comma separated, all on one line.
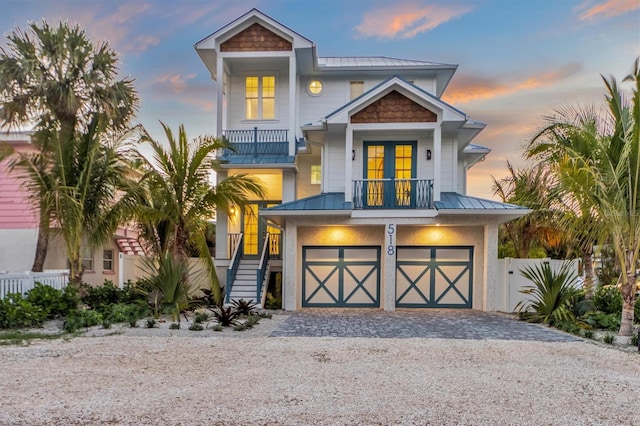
[(462, 177), (333, 166), (448, 167), (236, 117)]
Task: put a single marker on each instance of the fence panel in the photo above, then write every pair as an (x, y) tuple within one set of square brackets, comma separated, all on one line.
[(24, 281)]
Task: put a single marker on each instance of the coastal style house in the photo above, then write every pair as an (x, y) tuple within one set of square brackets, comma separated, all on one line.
[(19, 232), (365, 168)]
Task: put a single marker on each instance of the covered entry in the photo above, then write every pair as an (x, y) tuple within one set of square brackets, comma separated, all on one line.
[(346, 276), (434, 277)]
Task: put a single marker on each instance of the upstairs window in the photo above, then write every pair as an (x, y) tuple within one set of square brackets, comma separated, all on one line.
[(260, 97), (107, 260), (356, 89), (316, 174)]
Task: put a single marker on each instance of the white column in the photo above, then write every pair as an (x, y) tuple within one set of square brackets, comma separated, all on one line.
[(437, 162), (490, 265), (293, 79), (120, 270), (454, 165), (289, 268), (288, 185), (222, 228), (389, 262), (219, 96), (348, 164)]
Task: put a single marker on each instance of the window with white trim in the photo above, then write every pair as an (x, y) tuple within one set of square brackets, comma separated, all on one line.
[(107, 260), (356, 88), (260, 97), (87, 258)]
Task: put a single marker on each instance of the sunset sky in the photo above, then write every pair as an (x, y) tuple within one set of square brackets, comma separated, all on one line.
[(518, 60)]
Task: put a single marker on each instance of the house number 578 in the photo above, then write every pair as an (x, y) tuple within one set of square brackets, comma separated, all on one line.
[(391, 248)]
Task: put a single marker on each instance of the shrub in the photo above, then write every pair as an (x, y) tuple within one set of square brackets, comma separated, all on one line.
[(551, 293), (607, 299), (167, 283), (588, 334), (196, 327), (218, 328), (101, 297), (225, 316), (634, 339), (608, 338), (125, 312), (201, 317), (54, 303), (244, 307), (82, 318), (174, 326), (599, 319), (106, 324), (151, 323), (16, 311)]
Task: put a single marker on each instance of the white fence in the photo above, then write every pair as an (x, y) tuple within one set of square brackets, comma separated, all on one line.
[(24, 281), (511, 281)]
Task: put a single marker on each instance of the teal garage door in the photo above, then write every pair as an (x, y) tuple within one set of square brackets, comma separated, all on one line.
[(341, 277), (434, 277)]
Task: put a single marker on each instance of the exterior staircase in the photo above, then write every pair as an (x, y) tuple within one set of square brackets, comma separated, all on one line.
[(245, 285)]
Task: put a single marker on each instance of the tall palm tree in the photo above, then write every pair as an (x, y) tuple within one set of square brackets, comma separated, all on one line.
[(528, 188), (598, 165), (92, 189), (55, 79), (181, 197)]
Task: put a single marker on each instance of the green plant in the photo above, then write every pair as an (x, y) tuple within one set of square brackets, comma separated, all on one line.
[(125, 312), (609, 338), (634, 339), (607, 299), (588, 334), (106, 324), (54, 303), (151, 323), (201, 317), (225, 316), (240, 327), (82, 318), (244, 307), (167, 279), (267, 315), (16, 311), (17, 337), (196, 327), (174, 326), (599, 319), (101, 297), (218, 328), (551, 293), (133, 323)]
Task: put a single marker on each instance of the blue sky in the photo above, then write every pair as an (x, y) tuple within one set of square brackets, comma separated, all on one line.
[(518, 60)]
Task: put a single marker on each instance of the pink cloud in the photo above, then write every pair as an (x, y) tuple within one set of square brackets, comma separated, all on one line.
[(177, 83), (467, 89), (406, 20), (606, 9)]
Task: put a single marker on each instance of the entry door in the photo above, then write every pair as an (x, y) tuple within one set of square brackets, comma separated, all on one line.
[(255, 229), (390, 171)]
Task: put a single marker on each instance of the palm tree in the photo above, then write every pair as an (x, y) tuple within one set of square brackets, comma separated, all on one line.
[(181, 197), (92, 190), (56, 79), (528, 188), (598, 164)]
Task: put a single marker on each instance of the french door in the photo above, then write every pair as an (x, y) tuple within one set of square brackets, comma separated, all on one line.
[(389, 171), (256, 228)]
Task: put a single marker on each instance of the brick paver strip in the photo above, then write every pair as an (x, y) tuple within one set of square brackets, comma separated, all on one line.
[(407, 323)]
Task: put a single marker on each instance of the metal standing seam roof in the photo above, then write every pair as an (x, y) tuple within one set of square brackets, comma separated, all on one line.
[(326, 201), (455, 201), (261, 159), (448, 201), (373, 61)]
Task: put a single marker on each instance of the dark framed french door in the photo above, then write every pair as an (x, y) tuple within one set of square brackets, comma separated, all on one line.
[(390, 174), (255, 229)]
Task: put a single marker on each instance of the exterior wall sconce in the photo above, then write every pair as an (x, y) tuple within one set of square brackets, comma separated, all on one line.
[(232, 211), (353, 155), (428, 154)]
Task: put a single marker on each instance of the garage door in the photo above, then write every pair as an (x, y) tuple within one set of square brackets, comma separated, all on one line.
[(434, 277), (341, 277)]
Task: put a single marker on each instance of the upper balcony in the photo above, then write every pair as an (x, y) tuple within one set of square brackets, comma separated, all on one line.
[(255, 143), (393, 194)]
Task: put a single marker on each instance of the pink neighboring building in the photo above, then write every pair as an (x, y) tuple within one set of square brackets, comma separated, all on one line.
[(19, 233)]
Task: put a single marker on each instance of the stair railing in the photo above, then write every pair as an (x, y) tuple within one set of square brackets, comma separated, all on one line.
[(262, 267), (233, 268)]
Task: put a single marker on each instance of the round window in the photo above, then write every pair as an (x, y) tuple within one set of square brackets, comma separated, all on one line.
[(315, 87)]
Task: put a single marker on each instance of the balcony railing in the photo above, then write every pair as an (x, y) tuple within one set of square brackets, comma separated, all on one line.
[(256, 142), (393, 194)]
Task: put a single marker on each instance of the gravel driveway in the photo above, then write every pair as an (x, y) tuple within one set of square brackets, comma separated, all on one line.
[(218, 379)]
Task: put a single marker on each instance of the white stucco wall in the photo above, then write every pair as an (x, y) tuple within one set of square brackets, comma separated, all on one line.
[(17, 249)]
